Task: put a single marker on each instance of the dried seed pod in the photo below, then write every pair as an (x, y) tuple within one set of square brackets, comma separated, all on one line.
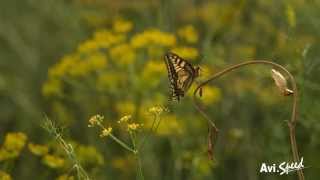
[(281, 83)]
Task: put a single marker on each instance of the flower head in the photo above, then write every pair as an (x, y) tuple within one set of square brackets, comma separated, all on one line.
[(134, 126), (157, 110), (106, 132), (125, 118), (95, 120)]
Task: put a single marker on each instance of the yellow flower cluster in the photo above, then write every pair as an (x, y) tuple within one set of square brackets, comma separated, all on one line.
[(157, 110), (95, 120), (89, 155), (134, 126), (152, 71), (102, 39), (124, 54), (189, 34), (122, 26), (125, 107), (38, 149), (153, 37), (210, 95), (65, 177), (131, 126), (53, 161), (170, 126), (13, 145), (189, 53), (106, 132), (4, 176)]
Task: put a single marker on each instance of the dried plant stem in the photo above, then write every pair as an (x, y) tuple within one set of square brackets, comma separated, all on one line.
[(291, 123)]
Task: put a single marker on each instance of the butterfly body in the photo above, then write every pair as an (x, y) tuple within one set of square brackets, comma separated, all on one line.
[(181, 75)]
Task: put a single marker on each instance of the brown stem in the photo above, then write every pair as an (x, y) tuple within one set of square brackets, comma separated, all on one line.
[(291, 123)]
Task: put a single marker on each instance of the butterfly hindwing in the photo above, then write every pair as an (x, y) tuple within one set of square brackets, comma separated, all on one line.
[(181, 75)]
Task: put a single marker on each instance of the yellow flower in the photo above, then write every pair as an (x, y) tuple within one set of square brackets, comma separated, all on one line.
[(88, 46), (134, 126), (111, 81), (189, 34), (153, 37), (53, 161), (125, 107), (106, 132), (210, 95), (97, 61), (122, 26), (52, 87), (123, 54), (4, 176), (170, 126), (38, 149), (125, 119), (152, 70), (15, 141), (65, 177), (95, 120), (89, 156), (189, 53), (106, 38)]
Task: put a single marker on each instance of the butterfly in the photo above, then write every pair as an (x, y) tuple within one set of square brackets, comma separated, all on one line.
[(181, 75)]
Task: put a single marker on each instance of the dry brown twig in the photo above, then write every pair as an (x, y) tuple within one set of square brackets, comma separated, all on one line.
[(280, 82)]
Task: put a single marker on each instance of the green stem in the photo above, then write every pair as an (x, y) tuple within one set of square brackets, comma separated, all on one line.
[(124, 145), (147, 135)]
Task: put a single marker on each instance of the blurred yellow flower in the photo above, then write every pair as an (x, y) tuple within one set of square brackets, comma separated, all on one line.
[(152, 71), (188, 53), (107, 38), (38, 149), (53, 161), (102, 39), (89, 156), (210, 95), (170, 126), (291, 15), (123, 54), (153, 37), (15, 141), (106, 132), (4, 176), (97, 61), (89, 46), (125, 107), (110, 81), (122, 26), (52, 87), (189, 34), (65, 177)]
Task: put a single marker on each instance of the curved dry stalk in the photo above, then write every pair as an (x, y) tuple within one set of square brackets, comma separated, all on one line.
[(291, 123)]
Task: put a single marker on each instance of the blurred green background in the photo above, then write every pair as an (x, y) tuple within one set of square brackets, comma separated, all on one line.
[(73, 59)]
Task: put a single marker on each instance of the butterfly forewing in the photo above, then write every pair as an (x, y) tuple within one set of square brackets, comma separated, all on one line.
[(180, 73)]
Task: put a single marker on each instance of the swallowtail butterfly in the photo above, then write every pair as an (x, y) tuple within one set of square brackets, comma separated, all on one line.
[(181, 75)]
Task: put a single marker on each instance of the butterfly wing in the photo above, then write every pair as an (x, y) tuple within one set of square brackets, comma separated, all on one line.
[(181, 75)]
